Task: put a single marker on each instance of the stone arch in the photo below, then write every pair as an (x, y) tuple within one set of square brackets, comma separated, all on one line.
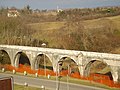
[(69, 64), (41, 57), (66, 56), (21, 58), (4, 57), (105, 66)]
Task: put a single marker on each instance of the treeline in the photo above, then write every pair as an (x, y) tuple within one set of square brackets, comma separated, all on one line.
[(65, 15), (88, 13), (28, 15), (15, 31)]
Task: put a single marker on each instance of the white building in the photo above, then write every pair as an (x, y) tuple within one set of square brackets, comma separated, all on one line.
[(59, 10), (13, 12)]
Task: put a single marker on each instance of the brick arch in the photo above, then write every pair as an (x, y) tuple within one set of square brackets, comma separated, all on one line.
[(17, 58)]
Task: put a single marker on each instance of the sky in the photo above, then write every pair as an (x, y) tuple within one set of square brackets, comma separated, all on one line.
[(63, 4)]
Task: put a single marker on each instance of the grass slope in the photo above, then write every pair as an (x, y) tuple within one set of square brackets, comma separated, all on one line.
[(53, 31)]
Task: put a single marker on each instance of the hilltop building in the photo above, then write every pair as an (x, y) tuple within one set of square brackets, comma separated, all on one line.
[(59, 10), (13, 12)]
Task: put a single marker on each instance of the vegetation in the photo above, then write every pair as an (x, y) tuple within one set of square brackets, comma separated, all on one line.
[(88, 14), (4, 58), (76, 29), (95, 29)]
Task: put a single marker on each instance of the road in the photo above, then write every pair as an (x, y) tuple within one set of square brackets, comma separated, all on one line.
[(50, 84)]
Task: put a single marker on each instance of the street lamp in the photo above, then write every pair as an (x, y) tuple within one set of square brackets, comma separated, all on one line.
[(2, 57), (57, 73), (69, 71), (44, 45), (44, 65)]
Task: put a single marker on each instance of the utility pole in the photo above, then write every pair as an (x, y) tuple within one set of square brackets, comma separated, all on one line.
[(44, 45), (68, 77), (57, 73)]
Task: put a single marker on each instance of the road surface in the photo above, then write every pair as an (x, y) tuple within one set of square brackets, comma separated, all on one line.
[(49, 84)]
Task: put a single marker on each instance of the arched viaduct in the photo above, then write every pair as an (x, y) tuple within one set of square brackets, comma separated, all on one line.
[(83, 59)]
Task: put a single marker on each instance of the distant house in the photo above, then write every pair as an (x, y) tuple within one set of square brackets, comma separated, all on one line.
[(59, 10), (36, 11), (13, 12)]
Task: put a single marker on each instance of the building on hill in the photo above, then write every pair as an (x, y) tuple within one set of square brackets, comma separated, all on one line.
[(59, 10), (13, 12), (36, 11)]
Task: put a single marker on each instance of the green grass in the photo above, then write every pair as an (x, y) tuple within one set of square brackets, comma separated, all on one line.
[(47, 26), (21, 87), (96, 22), (47, 31)]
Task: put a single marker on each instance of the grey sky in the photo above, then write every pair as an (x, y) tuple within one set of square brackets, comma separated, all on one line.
[(52, 4)]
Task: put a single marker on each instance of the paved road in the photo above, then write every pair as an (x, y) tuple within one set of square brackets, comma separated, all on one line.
[(50, 84)]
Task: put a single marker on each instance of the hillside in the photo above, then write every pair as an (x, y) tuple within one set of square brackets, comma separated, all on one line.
[(55, 33), (88, 29)]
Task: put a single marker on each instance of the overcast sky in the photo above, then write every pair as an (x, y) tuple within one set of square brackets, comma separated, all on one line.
[(52, 4)]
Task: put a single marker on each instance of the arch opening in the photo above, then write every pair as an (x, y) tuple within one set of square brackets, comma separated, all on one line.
[(43, 62), (68, 67), (99, 68), (4, 57), (21, 59)]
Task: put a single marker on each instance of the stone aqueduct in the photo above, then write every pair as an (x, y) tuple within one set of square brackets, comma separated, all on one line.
[(82, 58)]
